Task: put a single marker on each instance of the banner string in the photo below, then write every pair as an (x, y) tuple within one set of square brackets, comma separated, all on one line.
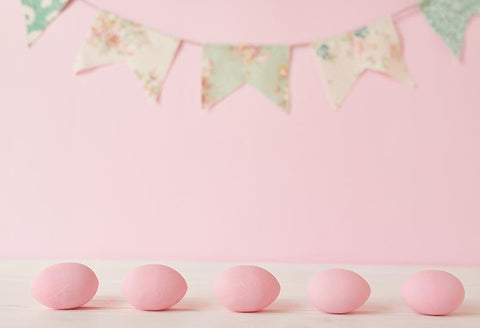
[(404, 11), (91, 4)]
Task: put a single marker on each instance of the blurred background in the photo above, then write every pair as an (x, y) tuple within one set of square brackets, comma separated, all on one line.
[(90, 167)]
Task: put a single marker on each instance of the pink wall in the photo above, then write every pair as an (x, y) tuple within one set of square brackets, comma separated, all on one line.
[(90, 167)]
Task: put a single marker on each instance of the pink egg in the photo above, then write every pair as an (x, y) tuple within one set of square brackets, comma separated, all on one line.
[(246, 288), (154, 287), (433, 292), (65, 286), (338, 291)]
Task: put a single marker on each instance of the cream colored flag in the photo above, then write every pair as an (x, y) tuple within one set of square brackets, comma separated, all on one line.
[(343, 58), (113, 39)]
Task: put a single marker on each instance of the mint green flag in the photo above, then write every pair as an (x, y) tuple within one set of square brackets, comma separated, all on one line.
[(449, 18), (39, 14), (228, 67)]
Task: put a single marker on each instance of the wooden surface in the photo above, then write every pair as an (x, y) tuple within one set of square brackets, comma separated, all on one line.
[(200, 309)]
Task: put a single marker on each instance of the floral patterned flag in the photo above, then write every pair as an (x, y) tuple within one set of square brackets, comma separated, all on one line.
[(449, 18), (227, 67), (39, 14), (113, 39), (343, 58)]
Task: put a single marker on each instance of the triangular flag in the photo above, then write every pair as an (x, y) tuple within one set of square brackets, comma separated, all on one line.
[(39, 14), (449, 18), (227, 67), (113, 39), (343, 58)]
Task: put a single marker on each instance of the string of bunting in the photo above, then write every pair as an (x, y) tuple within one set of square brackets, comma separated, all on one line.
[(341, 58)]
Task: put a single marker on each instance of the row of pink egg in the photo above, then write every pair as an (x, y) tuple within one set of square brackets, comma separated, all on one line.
[(243, 288)]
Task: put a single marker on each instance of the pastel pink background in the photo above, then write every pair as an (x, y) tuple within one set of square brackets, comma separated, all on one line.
[(91, 168)]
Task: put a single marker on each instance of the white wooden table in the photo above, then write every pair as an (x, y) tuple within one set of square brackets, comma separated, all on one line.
[(199, 308)]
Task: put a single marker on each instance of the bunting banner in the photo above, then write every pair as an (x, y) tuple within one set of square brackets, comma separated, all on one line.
[(343, 58), (449, 18), (227, 67), (113, 39), (39, 14)]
